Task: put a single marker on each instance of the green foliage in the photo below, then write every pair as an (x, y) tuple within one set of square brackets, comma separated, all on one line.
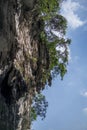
[(47, 7), (39, 107), (33, 115), (57, 48), (54, 22), (62, 69), (58, 23)]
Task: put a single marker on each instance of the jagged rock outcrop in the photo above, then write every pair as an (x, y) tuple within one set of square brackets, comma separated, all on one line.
[(23, 61)]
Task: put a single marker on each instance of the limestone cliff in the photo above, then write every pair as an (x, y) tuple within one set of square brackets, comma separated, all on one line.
[(23, 61)]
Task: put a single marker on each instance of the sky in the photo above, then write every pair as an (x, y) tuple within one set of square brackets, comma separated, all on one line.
[(67, 99)]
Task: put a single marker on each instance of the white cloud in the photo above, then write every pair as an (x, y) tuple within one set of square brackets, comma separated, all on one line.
[(69, 11), (84, 93), (60, 48), (58, 34), (69, 54)]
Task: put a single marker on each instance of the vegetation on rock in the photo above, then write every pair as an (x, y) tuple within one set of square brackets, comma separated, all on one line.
[(39, 107), (52, 36), (33, 51)]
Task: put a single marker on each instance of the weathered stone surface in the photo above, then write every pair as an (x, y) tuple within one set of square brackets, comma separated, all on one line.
[(29, 3), (22, 58)]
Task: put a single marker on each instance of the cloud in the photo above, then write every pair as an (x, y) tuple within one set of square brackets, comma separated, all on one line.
[(58, 34), (69, 54), (84, 93), (62, 48), (69, 11)]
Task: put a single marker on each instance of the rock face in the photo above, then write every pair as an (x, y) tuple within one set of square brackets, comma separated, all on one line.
[(22, 61)]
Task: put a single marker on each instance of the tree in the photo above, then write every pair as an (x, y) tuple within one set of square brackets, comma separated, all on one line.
[(39, 107), (53, 35)]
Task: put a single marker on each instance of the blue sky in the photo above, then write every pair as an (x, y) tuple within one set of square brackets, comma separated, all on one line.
[(68, 98)]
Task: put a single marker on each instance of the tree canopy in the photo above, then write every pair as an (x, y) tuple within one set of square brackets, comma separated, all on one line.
[(53, 34), (39, 107)]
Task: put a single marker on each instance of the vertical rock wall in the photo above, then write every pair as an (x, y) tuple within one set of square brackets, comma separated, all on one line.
[(22, 58), (15, 70)]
